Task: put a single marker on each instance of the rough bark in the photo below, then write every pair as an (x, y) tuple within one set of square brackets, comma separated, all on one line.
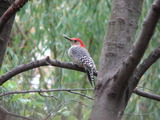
[(4, 34), (108, 104)]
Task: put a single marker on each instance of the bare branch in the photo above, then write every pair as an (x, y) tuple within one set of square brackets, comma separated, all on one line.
[(51, 96), (18, 116), (147, 95), (81, 95), (11, 11), (4, 112), (142, 68), (67, 65), (140, 46), (64, 102), (43, 62), (21, 69), (40, 91)]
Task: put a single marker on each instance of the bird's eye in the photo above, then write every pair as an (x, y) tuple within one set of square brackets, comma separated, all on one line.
[(75, 41)]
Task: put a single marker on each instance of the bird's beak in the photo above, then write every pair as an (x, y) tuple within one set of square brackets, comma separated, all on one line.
[(67, 38)]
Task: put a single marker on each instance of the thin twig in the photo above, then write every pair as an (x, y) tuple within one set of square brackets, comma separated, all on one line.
[(50, 90), (64, 102), (81, 95), (51, 96)]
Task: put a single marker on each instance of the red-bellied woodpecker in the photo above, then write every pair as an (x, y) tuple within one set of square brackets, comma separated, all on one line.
[(80, 56)]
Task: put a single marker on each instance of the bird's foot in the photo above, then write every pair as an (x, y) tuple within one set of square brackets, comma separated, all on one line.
[(75, 64)]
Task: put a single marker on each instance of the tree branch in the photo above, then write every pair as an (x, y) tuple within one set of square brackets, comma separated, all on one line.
[(11, 11), (140, 46), (83, 95), (43, 62), (147, 95), (4, 112), (40, 91), (4, 34), (51, 96), (21, 69), (142, 68)]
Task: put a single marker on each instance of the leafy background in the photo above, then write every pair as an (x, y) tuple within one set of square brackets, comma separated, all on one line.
[(38, 32)]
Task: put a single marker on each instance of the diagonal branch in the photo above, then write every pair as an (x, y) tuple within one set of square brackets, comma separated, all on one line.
[(140, 46), (11, 11), (21, 69), (4, 113), (147, 95), (83, 95), (142, 68)]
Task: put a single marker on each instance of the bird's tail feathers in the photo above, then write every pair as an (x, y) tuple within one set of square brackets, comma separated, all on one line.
[(90, 77)]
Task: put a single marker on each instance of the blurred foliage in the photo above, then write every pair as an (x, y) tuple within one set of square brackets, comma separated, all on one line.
[(38, 32)]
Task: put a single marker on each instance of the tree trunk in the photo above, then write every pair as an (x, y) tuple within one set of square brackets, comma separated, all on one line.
[(4, 34), (110, 99)]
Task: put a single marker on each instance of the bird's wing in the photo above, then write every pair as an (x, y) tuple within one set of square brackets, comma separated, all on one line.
[(82, 57)]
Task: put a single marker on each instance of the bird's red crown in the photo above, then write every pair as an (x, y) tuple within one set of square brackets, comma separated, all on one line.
[(80, 41)]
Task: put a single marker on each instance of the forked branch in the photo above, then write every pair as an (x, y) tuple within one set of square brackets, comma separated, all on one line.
[(142, 68), (140, 46)]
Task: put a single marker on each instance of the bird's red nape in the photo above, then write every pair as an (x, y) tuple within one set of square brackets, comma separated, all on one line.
[(81, 42)]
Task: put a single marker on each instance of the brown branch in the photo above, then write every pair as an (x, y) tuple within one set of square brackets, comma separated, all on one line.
[(40, 91), (4, 112), (18, 116), (83, 95), (21, 69), (43, 62), (140, 46), (11, 11), (67, 65), (51, 96), (4, 34), (147, 95), (142, 68)]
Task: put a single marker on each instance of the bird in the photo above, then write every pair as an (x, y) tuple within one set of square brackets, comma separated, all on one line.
[(81, 57)]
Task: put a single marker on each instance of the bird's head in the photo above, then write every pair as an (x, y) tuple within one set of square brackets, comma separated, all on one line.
[(75, 41)]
